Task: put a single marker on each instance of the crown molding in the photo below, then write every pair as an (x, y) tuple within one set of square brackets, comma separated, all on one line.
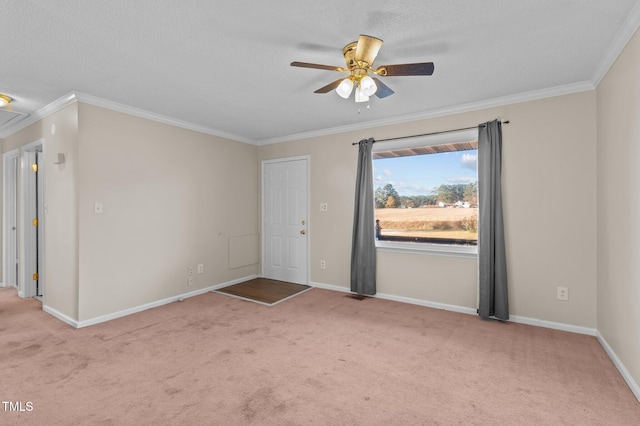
[(43, 112), (620, 41), (474, 106), (137, 112), (72, 97)]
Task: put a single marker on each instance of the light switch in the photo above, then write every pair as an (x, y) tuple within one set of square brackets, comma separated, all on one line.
[(97, 208)]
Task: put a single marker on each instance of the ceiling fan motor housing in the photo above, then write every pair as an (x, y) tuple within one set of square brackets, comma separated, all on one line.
[(358, 69)]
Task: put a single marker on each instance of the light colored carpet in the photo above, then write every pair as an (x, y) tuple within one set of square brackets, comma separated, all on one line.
[(320, 359)]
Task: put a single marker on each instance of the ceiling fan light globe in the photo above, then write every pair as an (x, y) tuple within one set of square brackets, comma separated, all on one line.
[(368, 86), (360, 97), (344, 88)]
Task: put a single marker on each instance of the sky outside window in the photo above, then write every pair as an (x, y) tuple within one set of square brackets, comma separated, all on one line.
[(422, 174)]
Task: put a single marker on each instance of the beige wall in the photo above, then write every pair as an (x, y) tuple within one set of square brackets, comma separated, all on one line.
[(619, 207), (61, 220), (60, 223), (549, 185), (171, 198)]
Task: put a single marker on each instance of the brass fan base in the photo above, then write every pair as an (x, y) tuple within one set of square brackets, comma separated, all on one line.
[(349, 52)]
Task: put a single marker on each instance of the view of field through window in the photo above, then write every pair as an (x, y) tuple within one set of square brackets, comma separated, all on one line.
[(429, 198)]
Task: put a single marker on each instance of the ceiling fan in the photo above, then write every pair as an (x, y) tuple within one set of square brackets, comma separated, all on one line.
[(359, 56)]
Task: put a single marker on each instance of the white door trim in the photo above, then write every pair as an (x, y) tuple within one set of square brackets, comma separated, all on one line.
[(306, 158), (9, 207), (27, 203)]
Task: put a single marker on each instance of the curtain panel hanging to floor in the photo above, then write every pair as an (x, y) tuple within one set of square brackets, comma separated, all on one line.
[(491, 247), (363, 246)]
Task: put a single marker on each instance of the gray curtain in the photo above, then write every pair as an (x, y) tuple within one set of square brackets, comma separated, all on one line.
[(491, 250), (363, 246)]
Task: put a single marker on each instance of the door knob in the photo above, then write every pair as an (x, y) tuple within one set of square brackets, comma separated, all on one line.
[(303, 232)]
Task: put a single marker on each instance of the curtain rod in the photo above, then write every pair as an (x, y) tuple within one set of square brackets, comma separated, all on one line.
[(427, 134)]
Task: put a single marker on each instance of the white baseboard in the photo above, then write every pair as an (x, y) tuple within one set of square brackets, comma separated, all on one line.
[(402, 299), (330, 287), (426, 303), (62, 317), (140, 308), (635, 388), (466, 310), (553, 325)]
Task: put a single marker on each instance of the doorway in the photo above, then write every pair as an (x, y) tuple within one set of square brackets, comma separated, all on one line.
[(32, 270), (285, 206)]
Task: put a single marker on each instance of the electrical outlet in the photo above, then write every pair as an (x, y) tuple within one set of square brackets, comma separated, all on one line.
[(190, 270), (324, 207), (563, 293), (200, 268), (323, 264), (190, 282)]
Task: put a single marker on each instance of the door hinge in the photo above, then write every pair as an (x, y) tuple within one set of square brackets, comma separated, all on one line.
[(35, 276), (34, 167), (35, 222)]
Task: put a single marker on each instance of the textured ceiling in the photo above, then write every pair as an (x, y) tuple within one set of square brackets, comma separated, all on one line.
[(224, 65)]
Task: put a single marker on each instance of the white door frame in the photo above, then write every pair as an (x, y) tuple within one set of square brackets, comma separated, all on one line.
[(30, 261), (307, 158), (10, 168)]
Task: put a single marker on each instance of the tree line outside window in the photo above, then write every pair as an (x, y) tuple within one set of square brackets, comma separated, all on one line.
[(449, 194)]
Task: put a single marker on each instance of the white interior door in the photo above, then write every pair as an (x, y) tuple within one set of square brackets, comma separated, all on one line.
[(285, 220)]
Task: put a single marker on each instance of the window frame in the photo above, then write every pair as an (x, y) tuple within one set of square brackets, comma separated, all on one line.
[(459, 136)]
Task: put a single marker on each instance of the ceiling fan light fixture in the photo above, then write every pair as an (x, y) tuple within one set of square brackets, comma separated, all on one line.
[(359, 56), (344, 88), (4, 100), (361, 97), (368, 86)]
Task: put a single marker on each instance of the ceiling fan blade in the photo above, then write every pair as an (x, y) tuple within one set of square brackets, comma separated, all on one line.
[(318, 66), (421, 68), (329, 87), (368, 48), (383, 90)]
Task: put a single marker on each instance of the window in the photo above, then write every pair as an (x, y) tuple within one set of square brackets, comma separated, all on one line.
[(426, 193)]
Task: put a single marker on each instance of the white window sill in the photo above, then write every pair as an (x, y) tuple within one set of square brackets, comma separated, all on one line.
[(426, 248)]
